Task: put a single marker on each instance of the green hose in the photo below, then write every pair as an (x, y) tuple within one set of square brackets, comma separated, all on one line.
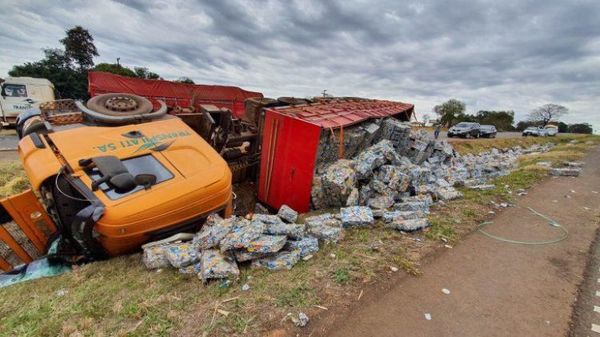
[(551, 222)]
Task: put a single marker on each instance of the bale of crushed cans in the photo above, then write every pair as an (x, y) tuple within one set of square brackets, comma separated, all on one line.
[(396, 176)]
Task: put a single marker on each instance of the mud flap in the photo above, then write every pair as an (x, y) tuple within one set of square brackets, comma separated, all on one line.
[(25, 231)]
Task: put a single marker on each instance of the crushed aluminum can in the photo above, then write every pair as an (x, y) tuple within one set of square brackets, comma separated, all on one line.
[(380, 202), (356, 216), (324, 227), (242, 234), (327, 233), (287, 213), (412, 206), (425, 198), (353, 198), (307, 245), (283, 260), (213, 231), (393, 177), (260, 209), (213, 219), (317, 219), (154, 257), (448, 193), (293, 231), (191, 269), (265, 244), (182, 254), (565, 171), (485, 187), (216, 265), (337, 183), (391, 216), (408, 225), (374, 157), (267, 218)]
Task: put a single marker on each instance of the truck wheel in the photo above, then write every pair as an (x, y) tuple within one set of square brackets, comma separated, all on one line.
[(120, 104)]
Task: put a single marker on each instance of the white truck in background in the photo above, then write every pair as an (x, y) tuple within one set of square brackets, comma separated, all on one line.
[(20, 94), (551, 130)]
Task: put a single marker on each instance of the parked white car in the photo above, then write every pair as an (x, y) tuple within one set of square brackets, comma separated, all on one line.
[(535, 132)]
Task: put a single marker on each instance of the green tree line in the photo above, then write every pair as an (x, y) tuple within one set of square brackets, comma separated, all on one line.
[(67, 67)]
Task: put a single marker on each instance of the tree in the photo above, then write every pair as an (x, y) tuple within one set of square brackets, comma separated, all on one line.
[(186, 80), (522, 125), (581, 128), (502, 120), (118, 69), (563, 127), (144, 73), (449, 111), (115, 68), (547, 113), (79, 47), (58, 69)]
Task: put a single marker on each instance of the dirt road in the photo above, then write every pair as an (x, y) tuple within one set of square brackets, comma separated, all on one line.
[(496, 288)]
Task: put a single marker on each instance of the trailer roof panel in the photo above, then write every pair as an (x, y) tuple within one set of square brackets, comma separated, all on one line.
[(334, 113)]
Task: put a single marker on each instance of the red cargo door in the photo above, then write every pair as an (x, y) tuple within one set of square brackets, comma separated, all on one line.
[(288, 154)]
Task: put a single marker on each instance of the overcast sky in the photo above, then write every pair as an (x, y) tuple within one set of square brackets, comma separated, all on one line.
[(493, 55)]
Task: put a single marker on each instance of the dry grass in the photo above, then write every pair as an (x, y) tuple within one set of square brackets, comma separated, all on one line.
[(12, 178), (481, 145), (120, 297)]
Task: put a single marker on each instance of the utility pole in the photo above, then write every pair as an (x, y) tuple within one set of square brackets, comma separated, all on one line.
[(118, 59)]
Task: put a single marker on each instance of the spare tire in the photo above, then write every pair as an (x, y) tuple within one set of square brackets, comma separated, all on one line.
[(120, 104), (119, 109)]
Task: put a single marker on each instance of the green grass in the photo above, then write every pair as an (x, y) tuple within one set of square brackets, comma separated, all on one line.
[(341, 275)]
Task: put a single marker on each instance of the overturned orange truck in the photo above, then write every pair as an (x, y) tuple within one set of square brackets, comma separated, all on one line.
[(122, 170), (112, 181)]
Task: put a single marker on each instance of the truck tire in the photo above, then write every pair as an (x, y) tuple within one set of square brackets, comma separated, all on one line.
[(119, 109), (120, 104)]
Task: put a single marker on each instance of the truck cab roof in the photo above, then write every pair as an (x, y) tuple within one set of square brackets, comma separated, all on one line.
[(27, 80)]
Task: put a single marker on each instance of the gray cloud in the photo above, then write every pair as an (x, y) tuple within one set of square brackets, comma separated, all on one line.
[(493, 55)]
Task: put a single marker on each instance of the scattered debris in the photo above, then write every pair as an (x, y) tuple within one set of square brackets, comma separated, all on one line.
[(396, 175), (182, 254), (300, 321), (483, 187), (260, 209), (280, 261), (428, 316), (356, 216), (216, 265), (287, 214), (446, 291), (565, 171)]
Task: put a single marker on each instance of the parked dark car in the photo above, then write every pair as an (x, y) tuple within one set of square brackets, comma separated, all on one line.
[(464, 130), (487, 131)]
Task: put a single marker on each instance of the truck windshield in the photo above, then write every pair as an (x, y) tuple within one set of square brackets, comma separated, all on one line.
[(146, 164), (14, 90)]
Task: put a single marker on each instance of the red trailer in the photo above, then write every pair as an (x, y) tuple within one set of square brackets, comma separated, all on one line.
[(173, 93), (290, 143)]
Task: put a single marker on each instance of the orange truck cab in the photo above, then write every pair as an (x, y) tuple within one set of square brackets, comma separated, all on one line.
[(111, 184)]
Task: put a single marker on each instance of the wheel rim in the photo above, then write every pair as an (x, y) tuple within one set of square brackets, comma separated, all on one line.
[(121, 104)]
